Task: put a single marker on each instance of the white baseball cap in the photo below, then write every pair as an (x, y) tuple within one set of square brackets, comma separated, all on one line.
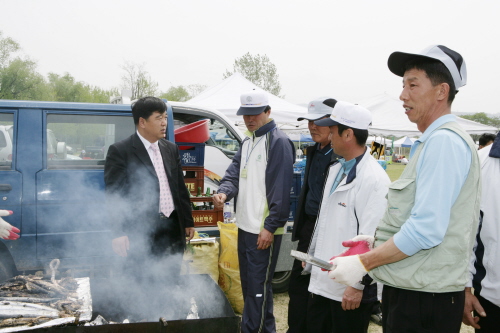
[(317, 109), (451, 59), (252, 103), (347, 114)]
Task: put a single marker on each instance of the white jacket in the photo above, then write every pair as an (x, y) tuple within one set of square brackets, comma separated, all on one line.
[(485, 262), (354, 208)]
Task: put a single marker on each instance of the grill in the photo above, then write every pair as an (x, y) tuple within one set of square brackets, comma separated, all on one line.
[(161, 309)]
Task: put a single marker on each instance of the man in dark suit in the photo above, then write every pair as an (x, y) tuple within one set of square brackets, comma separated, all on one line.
[(148, 201)]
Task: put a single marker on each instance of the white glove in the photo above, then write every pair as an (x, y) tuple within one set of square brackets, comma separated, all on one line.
[(347, 270), (370, 240), (6, 230)]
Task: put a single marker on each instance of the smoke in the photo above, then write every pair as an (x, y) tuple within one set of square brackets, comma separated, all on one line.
[(76, 222)]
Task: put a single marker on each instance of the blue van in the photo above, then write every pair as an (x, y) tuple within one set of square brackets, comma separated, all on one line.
[(51, 175)]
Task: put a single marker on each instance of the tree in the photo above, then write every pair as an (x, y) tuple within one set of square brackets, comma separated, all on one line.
[(195, 89), (177, 94), (183, 93), (18, 77), (66, 89), (483, 118), (259, 70), (138, 81)]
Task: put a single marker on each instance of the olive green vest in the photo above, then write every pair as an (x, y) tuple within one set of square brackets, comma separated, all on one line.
[(444, 267)]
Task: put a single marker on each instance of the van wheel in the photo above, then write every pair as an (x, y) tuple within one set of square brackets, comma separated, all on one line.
[(280, 281), (6, 271)]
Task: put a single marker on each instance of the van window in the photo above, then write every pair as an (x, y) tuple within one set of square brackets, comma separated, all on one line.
[(6, 140), (220, 136), (223, 138), (82, 141)]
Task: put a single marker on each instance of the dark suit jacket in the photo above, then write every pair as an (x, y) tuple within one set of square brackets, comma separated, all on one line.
[(133, 191)]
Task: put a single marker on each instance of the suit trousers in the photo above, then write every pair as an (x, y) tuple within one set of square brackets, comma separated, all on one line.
[(256, 273), (159, 251), (412, 311), (299, 284), (149, 277)]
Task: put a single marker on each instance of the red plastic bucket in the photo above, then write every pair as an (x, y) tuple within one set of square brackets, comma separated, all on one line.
[(196, 132)]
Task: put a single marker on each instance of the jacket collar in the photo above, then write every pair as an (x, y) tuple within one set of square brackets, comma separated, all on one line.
[(262, 130), (352, 174)]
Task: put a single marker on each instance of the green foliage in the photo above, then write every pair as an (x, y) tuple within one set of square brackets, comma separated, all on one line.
[(483, 118), (182, 93), (18, 77), (259, 70), (177, 94), (195, 89), (66, 89), (138, 80), (8, 47)]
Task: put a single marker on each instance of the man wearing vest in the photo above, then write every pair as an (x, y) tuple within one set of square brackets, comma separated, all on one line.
[(352, 204), (261, 176), (485, 263), (318, 158), (424, 241)]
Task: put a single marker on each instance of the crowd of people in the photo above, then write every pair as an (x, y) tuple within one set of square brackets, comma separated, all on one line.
[(430, 237), (417, 237)]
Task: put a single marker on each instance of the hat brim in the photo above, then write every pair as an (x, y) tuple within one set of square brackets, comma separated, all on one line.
[(398, 60), (250, 111), (310, 117), (326, 122)]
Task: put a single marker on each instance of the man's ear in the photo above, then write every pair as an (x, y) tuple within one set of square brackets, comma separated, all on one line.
[(348, 134), (443, 91), (141, 122)]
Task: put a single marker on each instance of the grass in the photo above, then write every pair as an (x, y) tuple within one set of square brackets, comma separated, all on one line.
[(394, 170)]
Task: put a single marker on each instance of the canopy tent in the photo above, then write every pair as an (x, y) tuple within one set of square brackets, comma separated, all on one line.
[(389, 119), (300, 137), (404, 142), (225, 97)]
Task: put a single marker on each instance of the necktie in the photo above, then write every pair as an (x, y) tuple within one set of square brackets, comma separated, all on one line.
[(166, 202)]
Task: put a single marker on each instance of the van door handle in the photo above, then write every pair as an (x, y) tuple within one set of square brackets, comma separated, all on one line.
[(5, 187)]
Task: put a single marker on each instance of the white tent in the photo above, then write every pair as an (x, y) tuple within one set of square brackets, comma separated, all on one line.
[(389, 119), (225, 97), (404, 142)]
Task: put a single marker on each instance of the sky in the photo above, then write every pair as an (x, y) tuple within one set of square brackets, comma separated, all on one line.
[(320, 47)]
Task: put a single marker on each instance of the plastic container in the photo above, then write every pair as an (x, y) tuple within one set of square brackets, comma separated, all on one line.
[(196, 132), (191, 154), (228, 212)]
